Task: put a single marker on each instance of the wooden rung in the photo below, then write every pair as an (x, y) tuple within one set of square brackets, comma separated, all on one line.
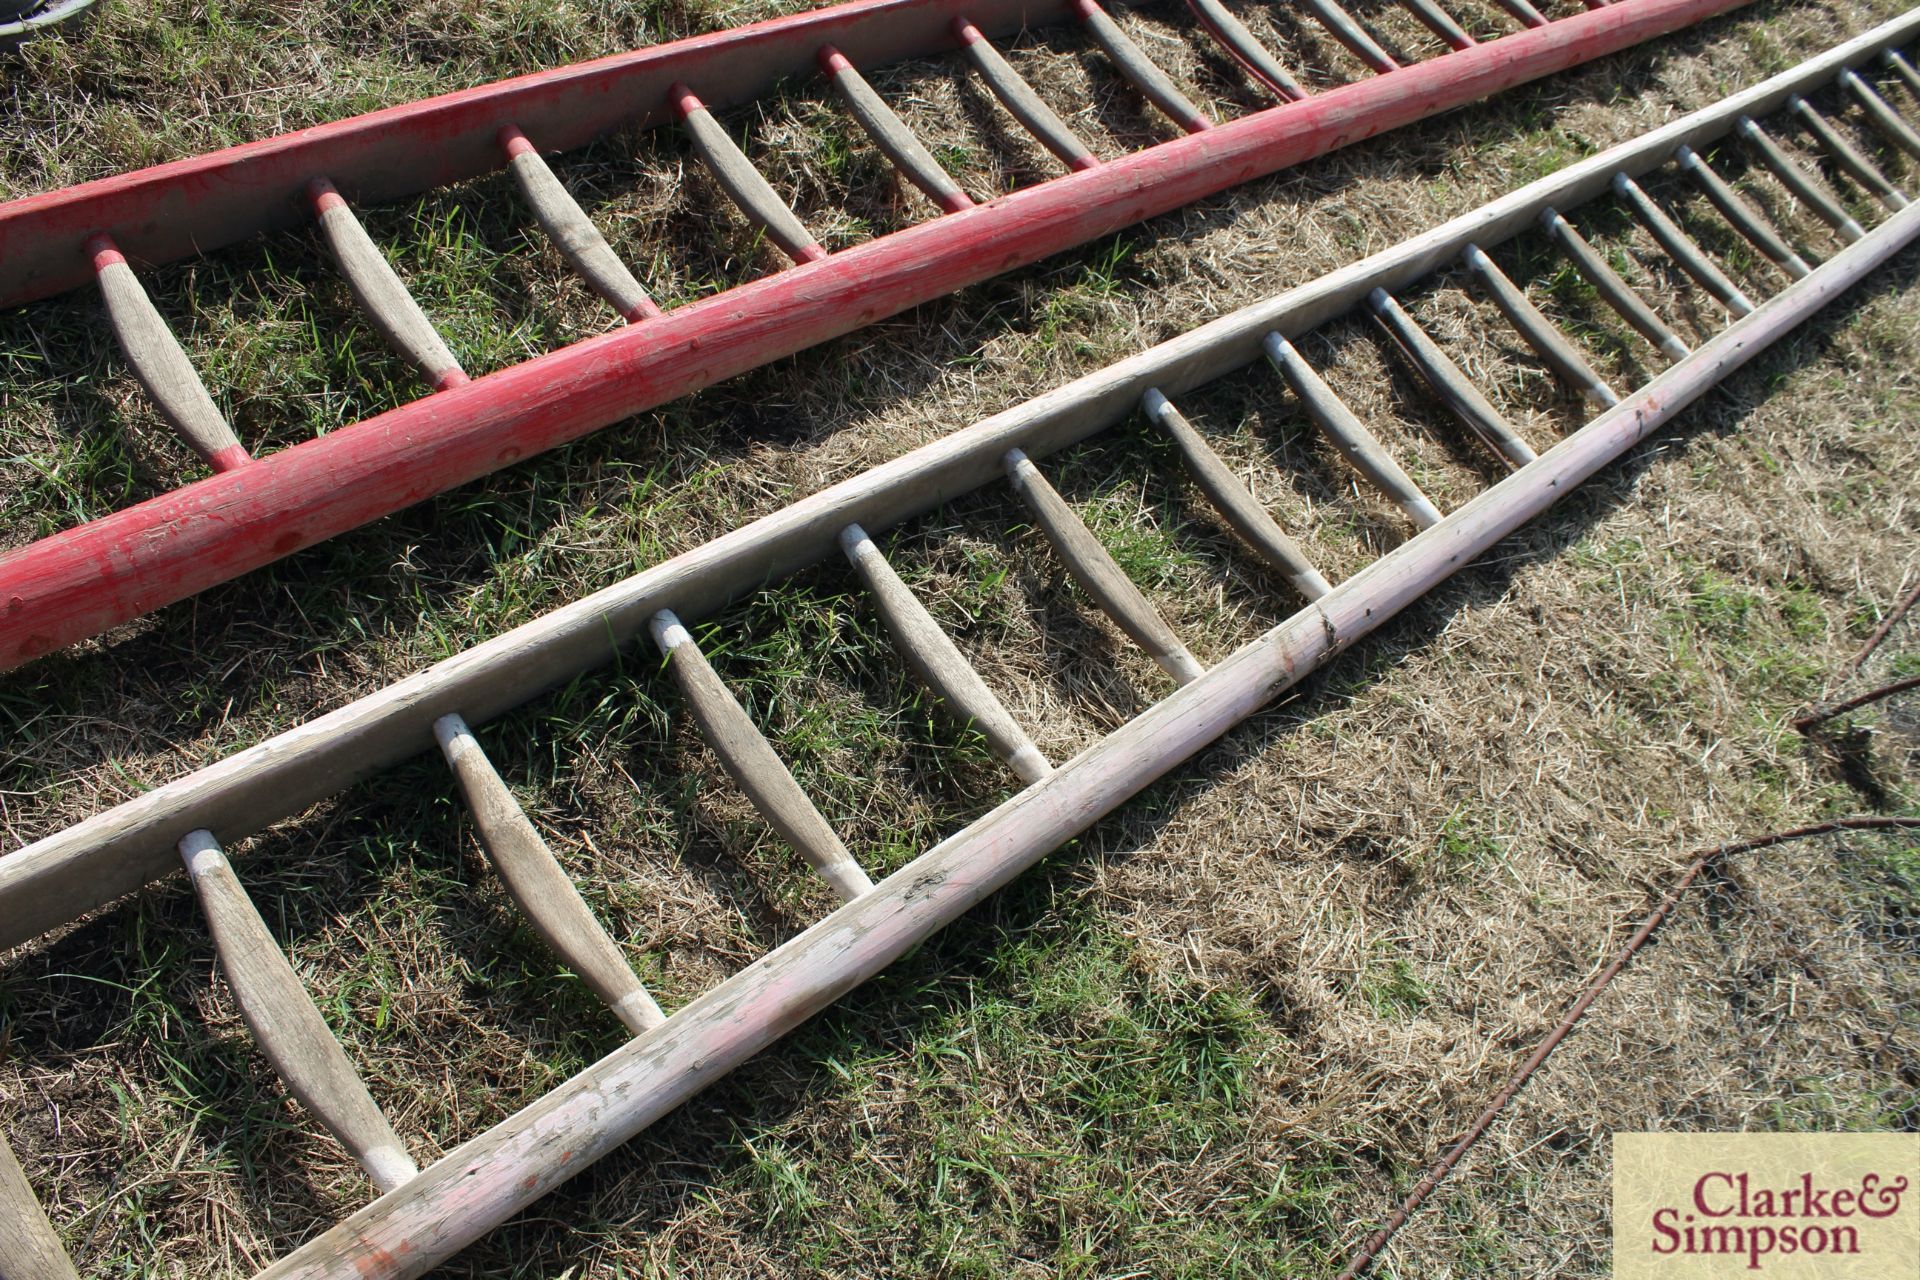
[(1884, 117), (1153, 83), (924, 643), (1846, 156), (1093, 567), (285, 1024), (1540, 333), (1617, 293), (1902, 69), (1341, 26), (1453, 388), (1744, 217), (1231, 498), (1021, 102), (1523, 12), (1799, 181), (1349, 435), (1440, 22), (750, 761), (749, 191), (30, 1248), (379, 290), (742, 183), (159, 364), (1240, 44), (1681, 247), (572, 231), (534, 879), (890, 133)]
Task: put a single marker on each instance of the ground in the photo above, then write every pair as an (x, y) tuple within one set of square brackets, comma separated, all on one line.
[(1225, 1032)]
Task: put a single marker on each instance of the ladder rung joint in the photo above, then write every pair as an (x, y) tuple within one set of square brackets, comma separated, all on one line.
[(890, 133), (1020, 100), (1617, 293), (1540, 333), (1233, 500), (933, 655), (752, 763), (1094, 568), (1240, 44), (542, 890), (1445, 378), (285, 1022), (1681, 247), (1799, 181), (1350, 436), (1140, 71), (159, 363), (382, 296), (572, 232), (1740, 214), (742, 181)]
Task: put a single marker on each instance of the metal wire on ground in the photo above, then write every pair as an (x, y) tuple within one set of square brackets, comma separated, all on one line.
[(1364, 1257)]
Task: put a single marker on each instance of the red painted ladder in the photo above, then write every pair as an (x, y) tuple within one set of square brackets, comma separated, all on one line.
[(252, 511), (424, 1216)]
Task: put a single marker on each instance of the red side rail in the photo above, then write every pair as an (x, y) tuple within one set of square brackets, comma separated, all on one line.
[(190, 206), (81, 582)]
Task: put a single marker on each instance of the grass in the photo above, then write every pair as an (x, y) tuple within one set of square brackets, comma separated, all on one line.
[(1222, 1033)]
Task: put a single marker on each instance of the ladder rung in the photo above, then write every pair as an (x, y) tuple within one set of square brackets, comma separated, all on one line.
[(1021, 102), (285, 1024), (750, 761), (1540, 333), (890, 133), (931, 652), (379, 291), (1903, 69), (744, 185), (1153, 83), (1094, 569), (1255, 58), (1440, 22), (1349, 435), (572, 231), (1681, 247), (159, 364), (1233, 501), (544, 893), (1616, 292), (1523, 12), (1341, 26), (1798, 180), (1889, 121), (1744, 217), (30, 1248), (1453, 387), (1846, 156)]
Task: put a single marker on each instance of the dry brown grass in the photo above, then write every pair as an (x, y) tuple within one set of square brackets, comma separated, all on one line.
[(1224, 1032)]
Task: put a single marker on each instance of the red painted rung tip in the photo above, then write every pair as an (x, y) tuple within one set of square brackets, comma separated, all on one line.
[(1081, 164), (1196, 124), (645, 309), (831, 60), (965, 32), (811, 253), (956, 202), (683, 100), (231, 458), (323, 196), (1085, 9), (448, 379), (103, 252), (514, 142)]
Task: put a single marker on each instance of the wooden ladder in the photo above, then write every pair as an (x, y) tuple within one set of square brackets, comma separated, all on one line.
[(88, 579), (421, 1217)]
